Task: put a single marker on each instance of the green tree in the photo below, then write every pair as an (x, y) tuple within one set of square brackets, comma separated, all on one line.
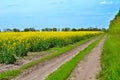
[(65, 29), (73, 29), (16, 30), (54, 29), (29, 29)]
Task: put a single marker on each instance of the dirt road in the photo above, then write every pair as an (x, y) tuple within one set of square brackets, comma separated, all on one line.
[(88, 68), (44, 69)]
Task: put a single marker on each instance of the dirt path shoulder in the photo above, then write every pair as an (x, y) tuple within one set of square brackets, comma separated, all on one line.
[(42, 70), (88, 68)]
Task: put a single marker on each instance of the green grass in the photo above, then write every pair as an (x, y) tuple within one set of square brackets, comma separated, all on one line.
[(14, 73), (110, 59), (65, 70)]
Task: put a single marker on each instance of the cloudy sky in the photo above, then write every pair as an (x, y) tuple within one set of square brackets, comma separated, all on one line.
[(57, 13)]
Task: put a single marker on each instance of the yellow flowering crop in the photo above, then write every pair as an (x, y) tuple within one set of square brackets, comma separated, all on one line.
[(19, 43)]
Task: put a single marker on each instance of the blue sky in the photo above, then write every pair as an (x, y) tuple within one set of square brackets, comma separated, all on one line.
[(57, 13)]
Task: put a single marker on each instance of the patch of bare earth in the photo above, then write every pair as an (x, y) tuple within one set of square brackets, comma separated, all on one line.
[(88, 68), (31, 56), (41, 71)]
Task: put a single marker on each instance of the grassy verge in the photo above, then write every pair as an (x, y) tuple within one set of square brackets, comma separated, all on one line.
[(65, 70), (110, 59), (13, 73)]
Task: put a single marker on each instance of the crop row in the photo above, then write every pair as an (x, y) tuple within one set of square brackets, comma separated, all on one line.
[(15, 45)]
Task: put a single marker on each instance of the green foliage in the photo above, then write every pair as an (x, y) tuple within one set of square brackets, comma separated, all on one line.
[(6, 55), (9, 75), (118, 15), (9, 53), (29, 29), (114, 28), (110, 59), (19, 48)]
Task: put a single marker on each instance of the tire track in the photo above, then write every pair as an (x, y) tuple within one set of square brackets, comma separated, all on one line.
[(44, 69), (88, 68)]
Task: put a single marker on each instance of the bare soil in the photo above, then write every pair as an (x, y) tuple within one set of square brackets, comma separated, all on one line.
[(31, 56), (41, 71), (89, 67)]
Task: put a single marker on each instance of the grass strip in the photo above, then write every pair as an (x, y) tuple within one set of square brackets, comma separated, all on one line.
[(65, 70), (110, 59), (8, 75)]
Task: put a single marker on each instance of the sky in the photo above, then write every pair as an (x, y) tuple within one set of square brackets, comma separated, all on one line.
[(39, 14)]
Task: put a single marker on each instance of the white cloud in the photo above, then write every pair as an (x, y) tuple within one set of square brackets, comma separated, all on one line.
[(106, 2)]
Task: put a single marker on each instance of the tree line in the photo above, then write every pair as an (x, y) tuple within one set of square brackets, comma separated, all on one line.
[(54, 29)]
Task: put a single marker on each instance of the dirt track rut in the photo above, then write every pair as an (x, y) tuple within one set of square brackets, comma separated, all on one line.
[(44, 69), (88, 68)]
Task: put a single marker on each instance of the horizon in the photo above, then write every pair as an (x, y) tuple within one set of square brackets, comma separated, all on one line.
[(59, 14)]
